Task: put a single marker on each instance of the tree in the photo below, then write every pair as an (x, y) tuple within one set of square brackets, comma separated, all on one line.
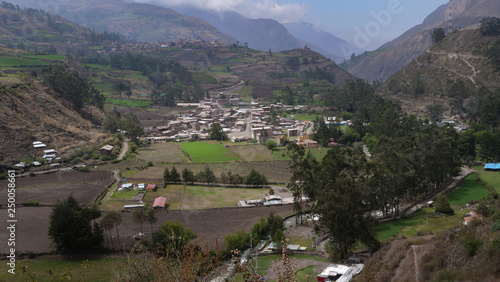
[(175, 177), (216, 132), (490, 26), (131, 124), (114, 218), (442, 205), (173, 237), (166, 175), (188, 175), (139, 215), (208, 175), (71, 229), (271, 144), (151, 218), (107, 224), (239, 241), (255, 178), (437, 35)]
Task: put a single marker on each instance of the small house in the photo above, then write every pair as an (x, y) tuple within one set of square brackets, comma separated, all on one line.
[(151, 187), (159, 202), (106, 150)]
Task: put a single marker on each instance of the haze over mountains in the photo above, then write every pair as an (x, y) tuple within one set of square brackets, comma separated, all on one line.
[(148, 23), (392, 56)]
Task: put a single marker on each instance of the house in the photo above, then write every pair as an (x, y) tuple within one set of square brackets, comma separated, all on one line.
[(293, 132), (141, 186), (159, 202), (471, 216), (38, 145), (339, 272), (151, 187), (106, 150), (308, 143)]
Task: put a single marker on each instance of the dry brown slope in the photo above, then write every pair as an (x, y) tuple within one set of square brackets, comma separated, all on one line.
[(28, 113)]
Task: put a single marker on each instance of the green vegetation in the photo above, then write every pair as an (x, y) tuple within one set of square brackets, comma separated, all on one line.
[(490, 178), (95, 269), (21, 62), (124, 195), (208, 152), (203, 78), (128, 103), (470, 190)]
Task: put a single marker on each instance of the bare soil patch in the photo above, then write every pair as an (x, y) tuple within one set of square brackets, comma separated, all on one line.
[(253, 153), (48, 189), (162, 153)]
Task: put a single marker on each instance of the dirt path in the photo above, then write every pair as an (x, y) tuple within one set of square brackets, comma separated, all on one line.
[(124, 150), (462, 57), (415, 258)]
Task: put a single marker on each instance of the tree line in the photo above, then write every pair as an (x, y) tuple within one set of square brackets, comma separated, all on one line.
[(253, 178)]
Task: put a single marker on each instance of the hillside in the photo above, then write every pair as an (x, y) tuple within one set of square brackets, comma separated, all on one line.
[(391, 57), (449, 74), (142, 22)]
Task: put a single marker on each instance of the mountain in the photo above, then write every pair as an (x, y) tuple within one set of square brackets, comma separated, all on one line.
[(142, 22), (260, 34), (323, 42), (391, 57), (457, 73)]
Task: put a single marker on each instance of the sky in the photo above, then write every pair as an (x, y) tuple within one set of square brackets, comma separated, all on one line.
[(367, 24)]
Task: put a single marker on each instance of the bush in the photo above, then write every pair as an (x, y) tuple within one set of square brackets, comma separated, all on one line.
[(83, 169), (150, 163), (495, 226), (31, 204), (471, 246), (32, 174), (442, 205)]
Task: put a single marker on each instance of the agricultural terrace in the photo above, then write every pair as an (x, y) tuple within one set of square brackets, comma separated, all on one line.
[(470, 190), (188, 197), (167, 152), (490, 178), (208, 152), (251, 152), (128, 103), (276, 172)]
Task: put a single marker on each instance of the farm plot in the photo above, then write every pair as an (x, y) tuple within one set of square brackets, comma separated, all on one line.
[(162, 153), (276, 172), (252, 153), (208, 152), (202, 197), (48, 189)]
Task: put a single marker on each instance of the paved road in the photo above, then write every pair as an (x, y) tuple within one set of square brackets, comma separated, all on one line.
[(457, 180)]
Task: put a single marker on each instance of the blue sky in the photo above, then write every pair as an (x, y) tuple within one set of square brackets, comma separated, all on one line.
[(379, 20)]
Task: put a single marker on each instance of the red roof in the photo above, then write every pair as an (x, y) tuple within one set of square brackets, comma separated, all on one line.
[(159, 202), (151, 187)]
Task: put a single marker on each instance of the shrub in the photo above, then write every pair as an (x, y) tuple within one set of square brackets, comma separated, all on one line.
[(150, 163), (83, 169), (471, 246), (495, 226), (442, 205), (32, 174), (31, 204)]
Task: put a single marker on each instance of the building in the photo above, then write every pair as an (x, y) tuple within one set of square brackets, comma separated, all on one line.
[(106, 150), (151, 187), (340, 273), (160, 202)]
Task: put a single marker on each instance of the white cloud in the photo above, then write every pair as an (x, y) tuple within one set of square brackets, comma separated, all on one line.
[(254, 9)]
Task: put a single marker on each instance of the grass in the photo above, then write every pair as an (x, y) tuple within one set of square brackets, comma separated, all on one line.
[(265, 261), (490, 178), (47, 57), (128, 103), (470, 190), (203, 78), (17, 62), (202, 197), (306, 274), (162, 153), (280, 154), (97, 269), (125, 195), (303, 117), (297, 240), (245, 93), (425, 220), (208, 152)]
